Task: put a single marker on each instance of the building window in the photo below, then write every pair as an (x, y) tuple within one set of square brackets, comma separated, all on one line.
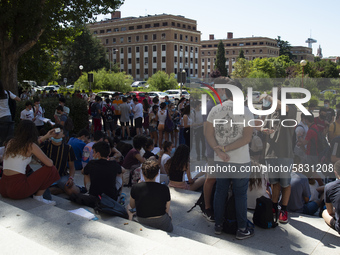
[(184, 26), (146, 61), (139, 27), (113, 40), (116, 29), (163, 47), (186, 60), (156, 25), (147, 26), (180, 47), (196, 61), (108, 30), (186, 48), (208, 53), (227, 45), (234, 44), (234, 52), (154, 59), (123, 29), (137, 71), (146, 71), (254, 51), (163, 60), (154, 71), (260, 51), (95, 32), (137, 38), (186, 38), (131, 28), (137, 49), (191, 49), (121, 50), (137, 60), (102, 31), (122, 40), (129, 50), (193, 28), (227, 52), (175, 36), (122, 62), (208, 59), (196, 50), (208, 66), (173, 24), (254, 43), (107, 41), (154, 37), (214, 52), (261, 43), (191, 38), (241, 44), (154, 48), (165, 24), (163, 36), (175, 59), (202, 74), (175, 47), (247, 51), (189, 27), (196, 39), (202, 53), (145, 37), (178, 25), (129, 60), (145, 48), (181, 37), (180, 60), (129, 39), (248, 43)]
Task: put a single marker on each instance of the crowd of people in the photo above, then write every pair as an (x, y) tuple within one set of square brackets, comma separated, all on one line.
[(163, 134)]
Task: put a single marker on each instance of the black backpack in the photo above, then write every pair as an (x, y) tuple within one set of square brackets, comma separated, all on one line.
[(230, 221), (200, 202), (110, 206), (263, 215), (12, 104), (109, 114)]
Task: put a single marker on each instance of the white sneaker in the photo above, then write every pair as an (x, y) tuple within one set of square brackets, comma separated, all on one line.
[(41, 199)]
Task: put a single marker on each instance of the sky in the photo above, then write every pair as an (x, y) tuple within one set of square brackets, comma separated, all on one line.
[(294, 20)]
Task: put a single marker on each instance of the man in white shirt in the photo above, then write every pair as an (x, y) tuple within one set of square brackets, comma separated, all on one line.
[(27, 113), (138, 116)]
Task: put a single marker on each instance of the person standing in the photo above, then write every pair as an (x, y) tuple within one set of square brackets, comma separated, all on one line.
[(6, 121), (27, 113), (116, 104), (279, 152), (38, 113), (138, 116), (125, 110)]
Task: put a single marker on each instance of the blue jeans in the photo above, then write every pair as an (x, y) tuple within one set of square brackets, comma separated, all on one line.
[(240, 187), (310, 208)]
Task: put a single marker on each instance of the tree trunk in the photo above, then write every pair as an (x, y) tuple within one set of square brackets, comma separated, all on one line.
[(9, 70)]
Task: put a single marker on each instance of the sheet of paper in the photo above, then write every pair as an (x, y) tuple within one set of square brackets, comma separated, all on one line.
[(156, 151), (46, 120), (83, 213)]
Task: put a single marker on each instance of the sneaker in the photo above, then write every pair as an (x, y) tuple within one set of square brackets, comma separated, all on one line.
[(248, 232), (209, 215), (283, 218), (45, 201), (218, 230)]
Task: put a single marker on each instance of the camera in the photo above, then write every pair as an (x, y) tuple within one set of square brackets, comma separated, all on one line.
[(57, 130)]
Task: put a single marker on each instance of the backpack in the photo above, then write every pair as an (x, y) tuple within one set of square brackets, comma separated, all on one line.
[(230, 221), (109, 114), (200, 202), (320, 148), (69, 124), (94, 109), (135, 176), (110, 206), (263, 214), (12, 105), (294, 136)]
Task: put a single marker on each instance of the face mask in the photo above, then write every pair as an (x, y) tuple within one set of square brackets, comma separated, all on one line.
[(266, 103), (224, 98), (326, 105), (57, 140)]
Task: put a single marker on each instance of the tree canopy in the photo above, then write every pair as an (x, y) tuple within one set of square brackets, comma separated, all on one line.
[(24, 23), (220, 59), (162, 81), (285, 47)]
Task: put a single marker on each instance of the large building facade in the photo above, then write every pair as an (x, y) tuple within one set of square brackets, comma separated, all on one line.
[(148, 44), (253, 47)]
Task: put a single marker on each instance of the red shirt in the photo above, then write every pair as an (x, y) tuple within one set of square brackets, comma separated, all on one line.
[(312, 138), (321, 124)]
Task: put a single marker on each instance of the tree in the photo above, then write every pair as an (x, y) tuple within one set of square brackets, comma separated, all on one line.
[(162, 81), (284, 48), (265, 66), (242, 68), (85, 50), (24, 23), (281, 64), (241, 54), (220, 60)]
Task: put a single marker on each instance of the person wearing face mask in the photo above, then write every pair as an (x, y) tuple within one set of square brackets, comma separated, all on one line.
[(330, 113), (62, 155), (38, 113), (320, 121), (78, 143)]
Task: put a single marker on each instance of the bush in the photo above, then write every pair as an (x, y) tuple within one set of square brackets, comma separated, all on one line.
[(78, 111)]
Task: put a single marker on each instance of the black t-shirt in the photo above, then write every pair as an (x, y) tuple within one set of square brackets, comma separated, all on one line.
[(60, 155), (150, 198), (332, 195), (149, 154), (103, 175)]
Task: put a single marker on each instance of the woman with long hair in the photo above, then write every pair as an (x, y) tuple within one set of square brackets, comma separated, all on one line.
[(146, 108), (18, 154), (6, 121), (177, 166)]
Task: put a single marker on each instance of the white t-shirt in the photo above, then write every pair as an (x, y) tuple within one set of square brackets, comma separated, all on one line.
[(4, 108), (27, 115), (138, 111), (38, 115), (164, 159), (161, 116), (226, 134)]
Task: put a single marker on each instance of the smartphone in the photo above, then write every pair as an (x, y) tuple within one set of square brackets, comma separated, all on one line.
[(57, 130)]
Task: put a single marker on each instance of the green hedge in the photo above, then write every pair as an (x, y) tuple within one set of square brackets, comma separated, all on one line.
[(78, 111)]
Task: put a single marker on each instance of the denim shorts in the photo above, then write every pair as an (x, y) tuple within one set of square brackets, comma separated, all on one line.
[(279, 170)]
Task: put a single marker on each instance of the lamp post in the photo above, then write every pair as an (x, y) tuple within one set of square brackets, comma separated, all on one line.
[(113, 51), (183, 78), (81, 70)]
